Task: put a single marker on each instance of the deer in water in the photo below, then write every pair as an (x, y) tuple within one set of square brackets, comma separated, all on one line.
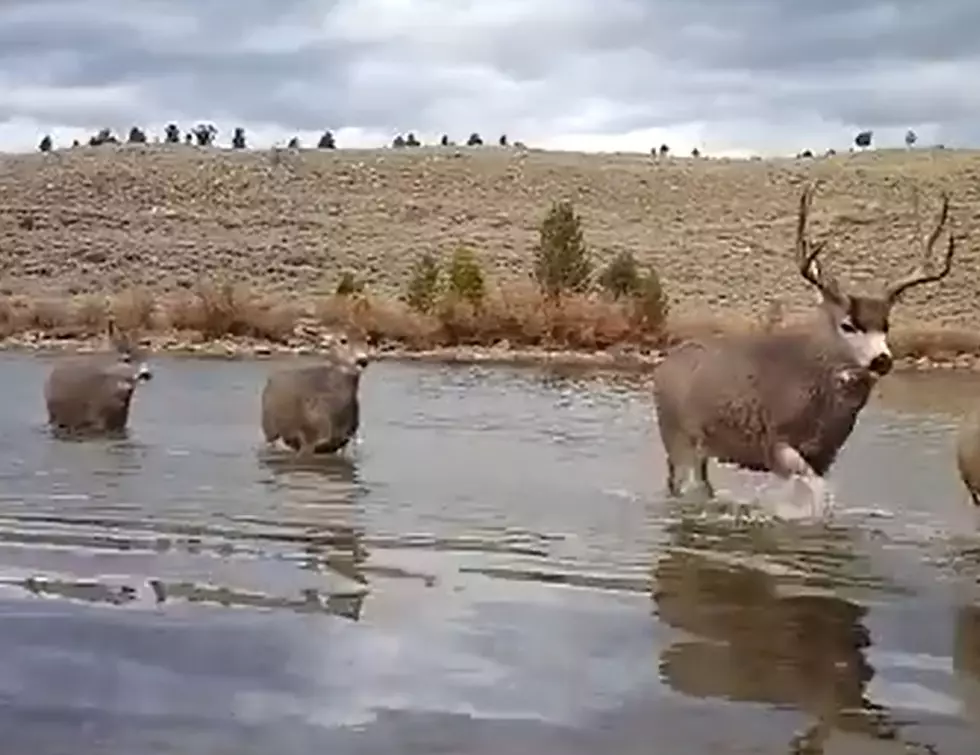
[(968, 455), (315, 408), (783, 402), (92, 394)]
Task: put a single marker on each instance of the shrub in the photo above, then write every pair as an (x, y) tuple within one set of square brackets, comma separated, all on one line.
[(238, 138), (561, 260), (90, 314), (621, 277), (136, 136), (223, 309), (651, 305), (47, 315), (423, 283), (475, 140), (134, 310), (465, 278), (348, 285), (172, 134), (327, 141), (46, 144)]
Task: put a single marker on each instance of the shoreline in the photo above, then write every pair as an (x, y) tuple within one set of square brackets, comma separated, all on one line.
[(621, 359)]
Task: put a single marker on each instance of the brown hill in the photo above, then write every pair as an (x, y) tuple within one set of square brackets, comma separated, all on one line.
[(719, 231)]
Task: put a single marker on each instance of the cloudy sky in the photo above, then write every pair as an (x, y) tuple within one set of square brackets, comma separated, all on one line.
[(727, 76)]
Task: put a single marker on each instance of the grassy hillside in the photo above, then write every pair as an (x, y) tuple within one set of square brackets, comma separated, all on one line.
[(719, 232)]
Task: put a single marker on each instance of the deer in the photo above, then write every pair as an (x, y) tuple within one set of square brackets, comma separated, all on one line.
[(968, 455), (786, 401), (315, 409), (92, 394)]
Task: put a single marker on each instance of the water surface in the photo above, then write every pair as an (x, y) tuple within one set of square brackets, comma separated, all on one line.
[(493, 568)]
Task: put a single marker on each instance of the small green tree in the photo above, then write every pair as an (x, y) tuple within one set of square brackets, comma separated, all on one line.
[(349, 285), (651, 305), (465, 277), (561, 260), (423, 283), (621, 277)]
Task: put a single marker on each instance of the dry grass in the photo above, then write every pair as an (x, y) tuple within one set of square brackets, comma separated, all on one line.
[(512, 317), (154, 222)]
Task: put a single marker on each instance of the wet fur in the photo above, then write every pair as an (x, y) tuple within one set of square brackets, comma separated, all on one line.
[(737, 398), (313, 409), (90, 395)]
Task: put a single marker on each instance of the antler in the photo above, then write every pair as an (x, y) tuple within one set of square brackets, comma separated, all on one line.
[(921, 273), (807, 252)]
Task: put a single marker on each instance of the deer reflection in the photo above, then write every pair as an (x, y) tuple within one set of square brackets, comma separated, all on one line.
[(337, 468), (317, 500), (966, 661), (756, 641)]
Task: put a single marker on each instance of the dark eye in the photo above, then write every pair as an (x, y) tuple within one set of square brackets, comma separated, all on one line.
[(848, 327), (343, 340)]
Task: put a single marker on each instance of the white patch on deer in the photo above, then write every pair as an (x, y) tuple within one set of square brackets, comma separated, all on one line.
[(867, 346)]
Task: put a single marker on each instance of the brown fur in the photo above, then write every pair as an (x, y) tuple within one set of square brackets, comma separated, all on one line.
[(315, 408), (785, 401), (968, 455), (93, 394), (713, 400)]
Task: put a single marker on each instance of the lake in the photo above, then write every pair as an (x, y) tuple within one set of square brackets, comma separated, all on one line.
[(492, 568)]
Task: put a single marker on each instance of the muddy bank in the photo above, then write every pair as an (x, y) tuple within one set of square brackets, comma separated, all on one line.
[(616, 358)]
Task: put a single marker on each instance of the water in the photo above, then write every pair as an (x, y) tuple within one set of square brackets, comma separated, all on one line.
[(491, 569)]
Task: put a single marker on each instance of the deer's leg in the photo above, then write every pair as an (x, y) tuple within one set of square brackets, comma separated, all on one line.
[(788, 462), (975, 495), (701, 473), (678, 448), (307, 446), (680, 460)]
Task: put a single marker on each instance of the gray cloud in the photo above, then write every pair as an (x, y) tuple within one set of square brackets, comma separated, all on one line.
[(764, 76)]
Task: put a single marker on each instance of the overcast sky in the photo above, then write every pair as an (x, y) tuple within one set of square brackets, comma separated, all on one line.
[(727, 76)]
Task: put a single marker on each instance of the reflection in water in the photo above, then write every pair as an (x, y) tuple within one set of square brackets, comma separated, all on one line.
[(966, 661), (326, 481), (337, 468), (503, 524), (761, 634)]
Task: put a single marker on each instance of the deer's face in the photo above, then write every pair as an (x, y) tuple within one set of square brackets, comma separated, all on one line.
[(130, 354), (351, 355), (861, 322)]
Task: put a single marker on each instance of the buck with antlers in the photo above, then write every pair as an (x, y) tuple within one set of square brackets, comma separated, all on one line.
[(783, 402)]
